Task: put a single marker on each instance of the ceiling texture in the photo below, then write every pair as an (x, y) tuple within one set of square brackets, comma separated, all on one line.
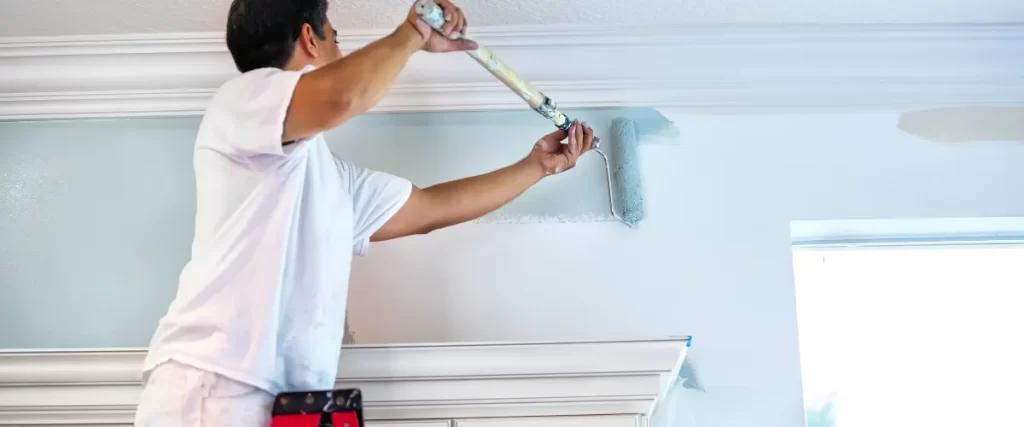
[(50, 18)]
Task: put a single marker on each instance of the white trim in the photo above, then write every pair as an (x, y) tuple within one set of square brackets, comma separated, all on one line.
[(906, 232), (715, 68), (400, 382)]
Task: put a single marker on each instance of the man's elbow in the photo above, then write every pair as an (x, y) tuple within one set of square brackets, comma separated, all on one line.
[(430, 228), (432, 211), (428, 223)]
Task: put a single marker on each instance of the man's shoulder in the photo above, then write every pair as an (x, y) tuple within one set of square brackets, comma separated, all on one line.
[(252, 92), (247, 112), (249, 81)]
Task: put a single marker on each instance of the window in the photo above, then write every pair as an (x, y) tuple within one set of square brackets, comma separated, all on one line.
[(911, 334)]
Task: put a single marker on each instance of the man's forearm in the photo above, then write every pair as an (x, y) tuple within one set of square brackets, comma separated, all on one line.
[(466, 199), (364, 76), (470, 198)]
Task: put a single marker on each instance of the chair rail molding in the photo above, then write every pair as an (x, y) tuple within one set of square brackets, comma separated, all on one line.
[(399, 382), (707, 68)]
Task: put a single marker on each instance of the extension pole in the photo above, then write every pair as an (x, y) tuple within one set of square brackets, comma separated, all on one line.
[(433, 15)]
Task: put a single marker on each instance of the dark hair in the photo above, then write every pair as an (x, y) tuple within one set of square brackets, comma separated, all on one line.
[(262, 33)]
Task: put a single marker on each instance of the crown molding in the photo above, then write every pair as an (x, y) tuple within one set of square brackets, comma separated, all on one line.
[(399, 381), (708, 68)]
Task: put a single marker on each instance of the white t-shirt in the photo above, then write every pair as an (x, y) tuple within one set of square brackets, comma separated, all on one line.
[(262, 300)]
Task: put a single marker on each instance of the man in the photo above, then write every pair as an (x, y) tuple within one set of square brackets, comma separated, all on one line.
[(261, 303)]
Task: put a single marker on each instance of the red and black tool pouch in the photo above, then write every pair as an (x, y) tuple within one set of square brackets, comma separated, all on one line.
[(330, 408)]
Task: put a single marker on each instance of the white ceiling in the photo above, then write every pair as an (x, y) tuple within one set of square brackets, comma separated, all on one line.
[(75, 17)]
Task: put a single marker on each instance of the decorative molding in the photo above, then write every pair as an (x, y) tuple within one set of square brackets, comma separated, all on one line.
[(443, 381), (709, 68)]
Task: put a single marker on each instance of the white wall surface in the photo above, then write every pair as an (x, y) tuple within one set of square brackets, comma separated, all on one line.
[(712, 260)]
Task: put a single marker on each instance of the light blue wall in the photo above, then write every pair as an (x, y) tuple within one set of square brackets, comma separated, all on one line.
[(98, 214), (94, 229)]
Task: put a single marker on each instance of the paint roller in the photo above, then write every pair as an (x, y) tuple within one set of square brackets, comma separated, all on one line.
[(623, 179)]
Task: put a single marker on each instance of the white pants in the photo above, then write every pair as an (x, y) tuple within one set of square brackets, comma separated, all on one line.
[(177, 395)]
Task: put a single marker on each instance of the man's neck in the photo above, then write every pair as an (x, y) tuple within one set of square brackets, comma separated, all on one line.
[(296, 65)]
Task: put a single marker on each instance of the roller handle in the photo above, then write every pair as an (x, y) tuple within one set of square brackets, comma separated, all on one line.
[(432, 14)]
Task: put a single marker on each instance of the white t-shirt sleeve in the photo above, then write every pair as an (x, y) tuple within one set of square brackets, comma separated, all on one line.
[(248, 113), (376, 197)]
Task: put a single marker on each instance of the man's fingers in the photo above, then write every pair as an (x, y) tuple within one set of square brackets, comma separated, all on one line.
[(456, 23), (557, 136), (446, 29), (572, 138), (446, 7), (580, 138), (588, 138), (575, 149), (449, 15), (461, 27), (463, 44)]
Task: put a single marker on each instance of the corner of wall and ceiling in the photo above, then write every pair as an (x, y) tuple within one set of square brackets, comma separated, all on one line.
[(708, 68)]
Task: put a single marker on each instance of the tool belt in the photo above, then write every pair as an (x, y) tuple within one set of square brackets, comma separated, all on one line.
[(328, 408)]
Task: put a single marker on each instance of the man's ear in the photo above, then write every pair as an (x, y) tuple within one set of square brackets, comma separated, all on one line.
[(309, 41)]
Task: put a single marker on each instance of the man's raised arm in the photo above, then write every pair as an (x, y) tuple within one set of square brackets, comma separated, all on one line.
[(327, 97)]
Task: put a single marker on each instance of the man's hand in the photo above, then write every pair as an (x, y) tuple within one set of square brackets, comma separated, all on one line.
[(436, 42), (554, 157)]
